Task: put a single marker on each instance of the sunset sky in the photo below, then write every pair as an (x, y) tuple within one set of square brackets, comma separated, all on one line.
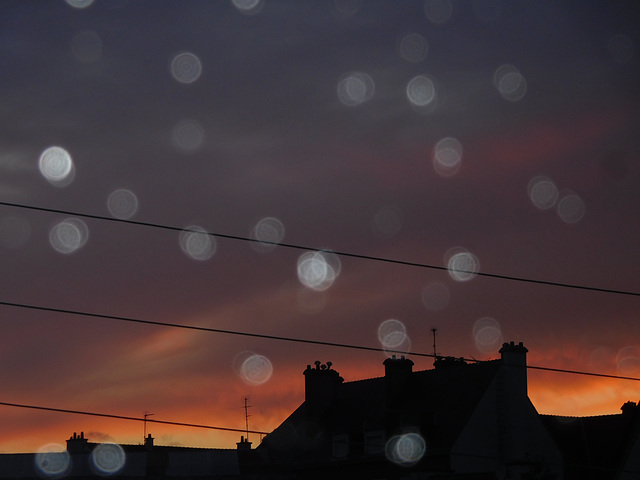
[(488, 136)]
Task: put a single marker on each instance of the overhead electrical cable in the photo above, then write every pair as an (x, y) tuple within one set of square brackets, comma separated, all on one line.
[(339, 253), (122, 417), (288, 339)]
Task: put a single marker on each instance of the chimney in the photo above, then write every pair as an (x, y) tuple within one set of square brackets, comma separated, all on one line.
[(396, 373), (320, 385), (148, 441), (514, 357), (77, 443), (513, 402)]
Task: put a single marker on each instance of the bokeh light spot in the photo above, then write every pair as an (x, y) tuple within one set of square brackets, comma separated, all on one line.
[(252, 368), (543, 193), (570, 207), (14, 232), (108, 458), (122, 204), (413, 47), (355, 88), (421, 92), (392, 335), (69, 235), (187, 136), (318, 270), (269, 231), (447, 156), (248, 7), (186, 67), (406, 449), (510, 83), (196, 242), (462, 265), (438, 11), (346, 8), (56, 166), (628, 361), (387, 222), (487, 335), (86, 47), (435, 296), (79, 3), (52, 461)]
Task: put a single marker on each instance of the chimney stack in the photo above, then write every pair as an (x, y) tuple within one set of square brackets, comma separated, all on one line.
[(320, 384)]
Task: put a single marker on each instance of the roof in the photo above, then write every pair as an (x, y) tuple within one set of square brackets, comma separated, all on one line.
[(438, 403), (594, 447)]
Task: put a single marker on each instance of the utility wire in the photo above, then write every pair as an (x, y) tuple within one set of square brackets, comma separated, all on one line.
[(122, 417), (307, 248), (289, 339)]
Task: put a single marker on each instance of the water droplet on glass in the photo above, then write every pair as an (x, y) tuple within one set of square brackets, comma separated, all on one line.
[(52, 460), (187, 136), (248, 7), (570, 207), (108, 458), (69, 235), (318, 270), (421, 92), (487, 335), (447, 156), (543, 193), (269, 231), (56, 166), (122, 204), (406, 449), (462, 265), (355, 88), (510, 83), (186, 67), (196, 242), (413, 47)]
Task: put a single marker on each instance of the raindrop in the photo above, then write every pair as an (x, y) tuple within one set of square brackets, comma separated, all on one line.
[(122, 204), (52, 460), (421, 92), (108, 458), (355, 88), (318, 270), (346, 8), (487, 335), (269, 231), (413, 47), (387, 222), (80, 3), (196, 242), (628, 361), (447, 156), (570, 208), (462, 265), (69, 235), (406, 449), (510, 83), (186, 67), (56, 166), (248, 7), (187, 136), (438, 11), (253, 369), (543, 193), (392, 335)]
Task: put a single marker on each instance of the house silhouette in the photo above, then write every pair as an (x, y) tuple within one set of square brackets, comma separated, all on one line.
[(458, 420)]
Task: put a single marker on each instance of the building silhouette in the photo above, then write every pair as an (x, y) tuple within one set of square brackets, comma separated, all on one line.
[(458, 420), (84, 460)]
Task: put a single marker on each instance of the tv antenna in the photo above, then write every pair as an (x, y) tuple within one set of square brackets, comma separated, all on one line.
[(246, 417), (146, 414), (435, 353)]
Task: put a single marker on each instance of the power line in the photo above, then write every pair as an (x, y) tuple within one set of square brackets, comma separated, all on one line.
[(122, 417), (339, 253), (287, 339)]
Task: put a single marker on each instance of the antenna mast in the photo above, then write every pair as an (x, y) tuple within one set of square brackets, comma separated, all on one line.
[(435, 353), (146, 414), (246, 417)]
